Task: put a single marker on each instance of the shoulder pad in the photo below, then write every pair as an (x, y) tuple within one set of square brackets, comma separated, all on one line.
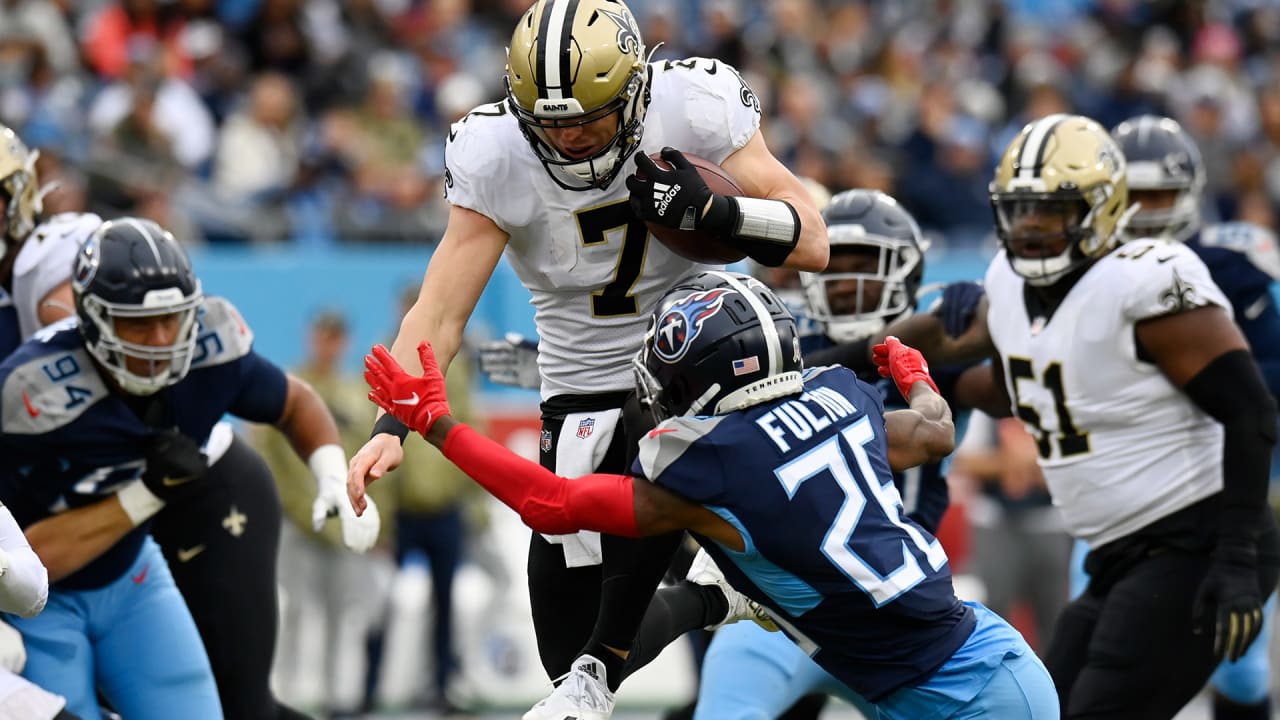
[(670, 440), (1256, 243), (223, 336), (64, 232), (478, 150), (49, 391), (721, 112), (1158, 278)]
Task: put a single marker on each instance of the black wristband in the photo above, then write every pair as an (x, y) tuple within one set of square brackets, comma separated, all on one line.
[(390, 425), (721, 217)]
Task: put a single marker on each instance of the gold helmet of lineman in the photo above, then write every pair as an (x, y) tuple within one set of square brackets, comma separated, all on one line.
[(19, 190), (1059, 196), (571, 63)]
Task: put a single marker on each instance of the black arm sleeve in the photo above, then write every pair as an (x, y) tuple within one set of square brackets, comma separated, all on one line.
[(1231, 390), (852, 355)]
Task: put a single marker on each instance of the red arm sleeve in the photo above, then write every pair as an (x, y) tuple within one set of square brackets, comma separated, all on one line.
[(547, 502)]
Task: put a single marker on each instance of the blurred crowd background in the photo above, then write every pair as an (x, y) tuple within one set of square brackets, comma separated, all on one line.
[(295, 127), (322, 122)]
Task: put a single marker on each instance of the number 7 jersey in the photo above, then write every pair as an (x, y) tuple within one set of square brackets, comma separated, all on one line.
[(1120, 446), (589, 262)]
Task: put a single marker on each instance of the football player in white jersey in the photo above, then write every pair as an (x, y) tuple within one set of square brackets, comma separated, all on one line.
[(537, 177), (1153, 423), (1166, 180)]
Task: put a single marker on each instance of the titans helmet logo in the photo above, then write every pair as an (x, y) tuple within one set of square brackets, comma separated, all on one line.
[(681, 323), (86, 263), (628, 31)]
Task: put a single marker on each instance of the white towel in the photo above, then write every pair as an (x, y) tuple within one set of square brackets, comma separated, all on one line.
[(584, 440)]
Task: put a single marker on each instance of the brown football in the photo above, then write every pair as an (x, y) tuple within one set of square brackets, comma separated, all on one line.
[(692, 244)]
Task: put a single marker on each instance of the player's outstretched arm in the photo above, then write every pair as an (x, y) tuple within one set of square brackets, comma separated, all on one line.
[(24, 585), (924, 432), (458, 271), (546, 502)]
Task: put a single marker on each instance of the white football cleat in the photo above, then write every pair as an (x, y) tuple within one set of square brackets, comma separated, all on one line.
[(704, 571), (582, 695)]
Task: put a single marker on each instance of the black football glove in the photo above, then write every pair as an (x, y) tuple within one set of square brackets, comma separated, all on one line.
[(675, 198), (957, 306), (175, 464), (1229, 603)]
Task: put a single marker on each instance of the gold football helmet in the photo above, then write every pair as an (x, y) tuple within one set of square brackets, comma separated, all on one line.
[(570, 63), (1059, 196), (18, 188)]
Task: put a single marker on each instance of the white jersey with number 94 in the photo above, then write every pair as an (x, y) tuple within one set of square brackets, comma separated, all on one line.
[(589, 262), (1120, 446)]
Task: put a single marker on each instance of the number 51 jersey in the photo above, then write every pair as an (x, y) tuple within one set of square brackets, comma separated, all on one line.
[(805, 480), (1120, 446)]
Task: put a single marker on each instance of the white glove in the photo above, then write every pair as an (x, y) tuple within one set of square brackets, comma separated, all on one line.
[(13, 653), (329, 465), (513, 360)]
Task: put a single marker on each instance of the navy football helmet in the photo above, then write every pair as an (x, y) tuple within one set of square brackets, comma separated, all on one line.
[(876, 267), (132, 268), (1162, 157), (717, 342)]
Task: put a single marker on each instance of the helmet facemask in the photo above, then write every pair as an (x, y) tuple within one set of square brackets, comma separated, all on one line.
[(856, 303), (165, 364), (1174, 222), (1043, 233), (598, 169)]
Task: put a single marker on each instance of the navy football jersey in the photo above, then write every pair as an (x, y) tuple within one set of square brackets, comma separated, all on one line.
[(864, 590), (69, 440), (923, 488), (1243, 261)]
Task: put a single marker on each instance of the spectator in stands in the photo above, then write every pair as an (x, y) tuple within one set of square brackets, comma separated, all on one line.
[(321, 579)]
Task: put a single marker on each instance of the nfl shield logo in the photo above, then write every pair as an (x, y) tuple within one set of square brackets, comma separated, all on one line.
[(546, 441), (585, 427)]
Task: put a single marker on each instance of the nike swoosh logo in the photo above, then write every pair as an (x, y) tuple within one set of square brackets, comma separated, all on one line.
[(137, 579), (407, 401), (31, 409), (176, 481), (185, 554), (658, 431), (1165, 259)]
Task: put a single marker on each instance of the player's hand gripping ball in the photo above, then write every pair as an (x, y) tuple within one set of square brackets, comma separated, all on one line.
[(669, 191)]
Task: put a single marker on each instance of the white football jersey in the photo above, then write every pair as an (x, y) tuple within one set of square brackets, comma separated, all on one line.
[(44, 263), (1120, 446), (593, 270)]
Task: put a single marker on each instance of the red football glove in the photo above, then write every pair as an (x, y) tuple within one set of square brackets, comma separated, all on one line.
[(903, 363), (418, 402)]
